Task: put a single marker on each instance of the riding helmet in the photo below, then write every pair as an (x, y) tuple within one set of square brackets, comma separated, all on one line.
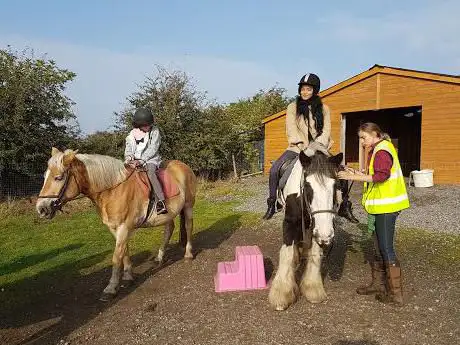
[(142, 117), (312, 80)]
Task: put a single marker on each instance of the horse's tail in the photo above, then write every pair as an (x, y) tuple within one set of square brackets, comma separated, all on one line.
[(183, 231)]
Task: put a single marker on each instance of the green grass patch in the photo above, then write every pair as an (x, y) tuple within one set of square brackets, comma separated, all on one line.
[(438, 249), (418, 246), (220, 189), (39, 255)]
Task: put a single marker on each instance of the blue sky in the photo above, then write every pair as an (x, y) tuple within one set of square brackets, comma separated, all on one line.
[(231, 49)]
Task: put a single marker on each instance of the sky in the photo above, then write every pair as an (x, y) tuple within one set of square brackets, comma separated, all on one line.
[(230, 48)]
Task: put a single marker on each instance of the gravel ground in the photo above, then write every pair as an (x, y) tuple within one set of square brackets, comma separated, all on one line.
[(176, 304), (436, 208)]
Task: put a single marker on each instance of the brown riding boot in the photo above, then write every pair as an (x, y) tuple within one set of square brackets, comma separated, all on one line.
[(378, 282), (394, 293)]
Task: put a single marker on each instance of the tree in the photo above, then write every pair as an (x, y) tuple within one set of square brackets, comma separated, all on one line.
[(246, 123), (110, 143), (201, 133), (34, 112), (178, 109)]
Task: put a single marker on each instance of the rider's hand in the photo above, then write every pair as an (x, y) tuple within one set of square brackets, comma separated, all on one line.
[(309, 152)]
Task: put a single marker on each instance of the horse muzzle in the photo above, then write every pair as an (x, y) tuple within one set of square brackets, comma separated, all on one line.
[(47, 208), (323, 241)]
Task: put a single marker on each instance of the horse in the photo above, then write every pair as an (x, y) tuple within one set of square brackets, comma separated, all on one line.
[(310, 201), (121, 197)]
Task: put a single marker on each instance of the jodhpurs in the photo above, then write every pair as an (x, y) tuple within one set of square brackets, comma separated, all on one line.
[(273, 178), (156, 185)]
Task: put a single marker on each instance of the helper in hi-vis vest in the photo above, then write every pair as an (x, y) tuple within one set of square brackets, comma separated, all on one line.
[(384, 197)]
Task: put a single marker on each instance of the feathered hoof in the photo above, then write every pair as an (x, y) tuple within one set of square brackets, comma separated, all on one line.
[(313, 292), (280, 299)]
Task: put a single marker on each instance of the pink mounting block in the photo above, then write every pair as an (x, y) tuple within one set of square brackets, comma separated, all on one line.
[(245, 273)]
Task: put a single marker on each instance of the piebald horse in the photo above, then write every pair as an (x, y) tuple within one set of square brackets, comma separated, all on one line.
[(310, 206), (121, 200)]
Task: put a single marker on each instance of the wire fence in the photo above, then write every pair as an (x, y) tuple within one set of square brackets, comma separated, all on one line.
[(19, 184), (26, 181)]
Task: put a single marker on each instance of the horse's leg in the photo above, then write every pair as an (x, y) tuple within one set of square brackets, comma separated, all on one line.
[(312, 284), (187, 223), (127, 268), (121, 246), (284, 289), (167, 232)]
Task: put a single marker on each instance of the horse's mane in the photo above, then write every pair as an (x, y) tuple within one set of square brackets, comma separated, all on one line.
[(103, 171), (321, 167)]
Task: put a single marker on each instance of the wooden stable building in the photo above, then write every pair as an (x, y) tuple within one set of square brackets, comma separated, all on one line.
[(419, 110)]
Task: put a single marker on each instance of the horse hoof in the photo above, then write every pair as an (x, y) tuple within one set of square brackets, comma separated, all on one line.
[(188, 258), (127, 283), (280, 308), (158, 261), (106, 297)]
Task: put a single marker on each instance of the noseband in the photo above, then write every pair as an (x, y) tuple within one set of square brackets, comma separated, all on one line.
[(57, 204)]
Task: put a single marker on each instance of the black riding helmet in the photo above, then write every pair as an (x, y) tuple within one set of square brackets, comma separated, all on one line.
[(142, 117), (312, 80)]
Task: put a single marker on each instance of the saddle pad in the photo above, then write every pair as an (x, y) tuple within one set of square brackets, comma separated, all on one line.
[(170, 188)]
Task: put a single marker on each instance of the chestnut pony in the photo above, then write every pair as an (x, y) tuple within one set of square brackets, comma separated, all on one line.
[(121, 201)]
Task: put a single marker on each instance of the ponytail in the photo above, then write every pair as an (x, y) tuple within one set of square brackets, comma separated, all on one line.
[(370, 127)]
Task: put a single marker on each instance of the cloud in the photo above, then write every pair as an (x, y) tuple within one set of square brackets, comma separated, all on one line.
[(416, 35), (105, 78), (431, 30)]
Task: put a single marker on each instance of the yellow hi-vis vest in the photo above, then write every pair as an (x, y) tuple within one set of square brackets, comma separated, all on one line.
[(390, 195)]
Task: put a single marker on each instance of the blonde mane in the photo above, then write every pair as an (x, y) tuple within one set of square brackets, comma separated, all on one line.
[(103, 171)]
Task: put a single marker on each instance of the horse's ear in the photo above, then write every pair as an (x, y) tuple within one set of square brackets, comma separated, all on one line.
[(337, 159), (304, 159), (69, 156), (54, 151)]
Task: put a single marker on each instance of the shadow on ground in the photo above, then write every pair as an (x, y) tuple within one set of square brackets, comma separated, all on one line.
[(58, 301)]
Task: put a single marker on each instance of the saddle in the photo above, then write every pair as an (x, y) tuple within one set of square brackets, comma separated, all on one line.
[(170, 188), (284, 172)]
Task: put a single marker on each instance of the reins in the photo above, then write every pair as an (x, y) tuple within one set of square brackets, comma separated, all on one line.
[(57, 204)]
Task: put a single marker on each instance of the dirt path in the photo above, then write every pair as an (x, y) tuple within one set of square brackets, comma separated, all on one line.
[(176, 303)]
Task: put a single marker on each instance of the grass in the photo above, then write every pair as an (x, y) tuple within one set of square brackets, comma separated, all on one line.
[(38, 252), (437, 249), (421, 247)]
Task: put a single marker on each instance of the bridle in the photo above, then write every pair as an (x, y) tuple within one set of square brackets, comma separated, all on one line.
[(58, 203), (308, 233)]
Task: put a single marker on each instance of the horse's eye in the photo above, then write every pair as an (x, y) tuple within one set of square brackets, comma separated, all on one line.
[(58, 178)]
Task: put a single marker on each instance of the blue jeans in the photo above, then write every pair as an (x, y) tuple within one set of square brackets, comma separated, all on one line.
[(273, 178), (384, 232)]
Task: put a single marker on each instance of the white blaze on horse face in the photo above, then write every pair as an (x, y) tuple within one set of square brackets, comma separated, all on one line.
[(50, 187), (323, 199)]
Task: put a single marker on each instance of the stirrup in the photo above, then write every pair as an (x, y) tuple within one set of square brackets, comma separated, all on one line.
[(160, 207)]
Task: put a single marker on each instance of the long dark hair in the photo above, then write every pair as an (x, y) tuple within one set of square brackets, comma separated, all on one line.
[(316, 109)]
